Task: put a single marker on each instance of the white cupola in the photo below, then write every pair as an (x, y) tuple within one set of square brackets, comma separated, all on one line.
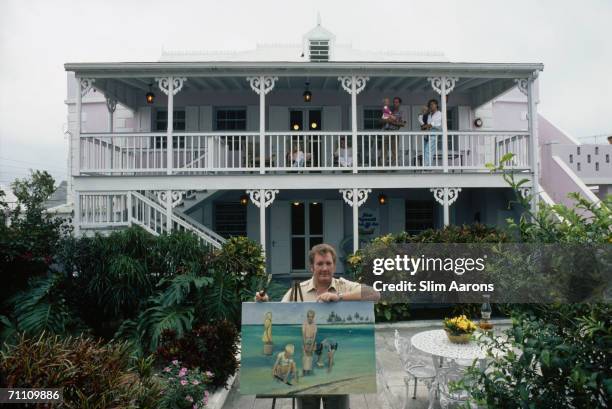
[(318, 43)]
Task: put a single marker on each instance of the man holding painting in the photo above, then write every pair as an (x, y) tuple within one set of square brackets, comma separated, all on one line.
[(323, 287)]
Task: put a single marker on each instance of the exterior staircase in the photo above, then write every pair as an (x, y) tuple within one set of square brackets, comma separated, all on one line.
[(151, 215), (568, 166)]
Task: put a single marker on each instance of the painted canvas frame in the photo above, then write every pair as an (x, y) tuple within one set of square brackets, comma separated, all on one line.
[(308, 348)]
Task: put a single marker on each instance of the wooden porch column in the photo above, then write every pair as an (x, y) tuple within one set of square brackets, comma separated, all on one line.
[(169, 211), (76, 222), (446, 196), (262, 85), (129, 208), (169, 130), (83, 85), (111, 105), (353, 85), (262, 198), (534, 152), (443, 86), (355, 198), (354, 134), (355, 222), (170, 86), (444, 135)]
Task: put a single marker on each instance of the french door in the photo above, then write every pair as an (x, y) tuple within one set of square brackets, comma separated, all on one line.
[(306, 231)]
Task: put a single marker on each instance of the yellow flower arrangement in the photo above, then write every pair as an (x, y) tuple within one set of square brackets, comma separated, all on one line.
[(459, 325)]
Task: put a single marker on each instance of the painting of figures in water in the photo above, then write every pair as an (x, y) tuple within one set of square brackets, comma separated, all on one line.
[(307, 348)]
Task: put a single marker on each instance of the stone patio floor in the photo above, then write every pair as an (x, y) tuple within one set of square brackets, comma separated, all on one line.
[(392, 370)]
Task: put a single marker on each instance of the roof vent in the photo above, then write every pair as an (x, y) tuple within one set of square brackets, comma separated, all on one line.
[(319, 43), (318, 50)]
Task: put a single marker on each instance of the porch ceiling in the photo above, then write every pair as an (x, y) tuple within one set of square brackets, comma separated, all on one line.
[(130, 91)]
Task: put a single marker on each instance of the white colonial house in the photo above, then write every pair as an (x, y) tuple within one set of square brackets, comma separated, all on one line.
[(283, 144)]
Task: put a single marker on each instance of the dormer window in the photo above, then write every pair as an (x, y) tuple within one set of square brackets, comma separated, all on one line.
[(318, 50)]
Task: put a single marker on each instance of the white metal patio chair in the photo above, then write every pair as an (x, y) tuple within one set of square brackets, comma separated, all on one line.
[(452, 373), (415, 367)]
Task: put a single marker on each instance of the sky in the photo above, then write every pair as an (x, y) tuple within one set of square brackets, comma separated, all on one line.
[(253, 313), (571, 38)]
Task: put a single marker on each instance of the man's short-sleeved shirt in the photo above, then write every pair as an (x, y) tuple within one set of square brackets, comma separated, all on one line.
[(309, 291), (398, 116)]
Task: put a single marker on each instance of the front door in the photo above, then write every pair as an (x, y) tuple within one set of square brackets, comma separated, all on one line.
[(306, 232)]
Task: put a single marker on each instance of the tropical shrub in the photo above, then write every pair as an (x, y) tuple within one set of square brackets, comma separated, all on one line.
[(384, 246), (211, 348), (185, 388), (93, 374), (555, 355), (28, 235)]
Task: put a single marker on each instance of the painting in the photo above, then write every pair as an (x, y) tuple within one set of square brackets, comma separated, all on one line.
[(308, 348)]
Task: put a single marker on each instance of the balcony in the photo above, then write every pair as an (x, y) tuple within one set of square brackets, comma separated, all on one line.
[(210, 153)]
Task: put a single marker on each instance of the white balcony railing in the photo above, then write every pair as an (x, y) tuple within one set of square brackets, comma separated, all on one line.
[(197, 153)]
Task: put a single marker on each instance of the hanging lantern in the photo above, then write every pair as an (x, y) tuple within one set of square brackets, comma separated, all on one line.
[(150, 97), (244, 200), (382, 199), (307, 94)]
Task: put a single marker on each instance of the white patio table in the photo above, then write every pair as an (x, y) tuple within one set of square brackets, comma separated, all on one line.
[(436, 343)]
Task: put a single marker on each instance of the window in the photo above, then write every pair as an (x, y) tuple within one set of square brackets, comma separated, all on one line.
[(230, 219), (419, 216), (230, 119), (371, 119), (161, 125), (161, 120), (306, 232), (319, 50)]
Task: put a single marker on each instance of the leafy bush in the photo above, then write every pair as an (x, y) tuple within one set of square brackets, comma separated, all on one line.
[(29, 236), (92, 374), (210, 348), (555, 356), (384, 246), (185, 388)]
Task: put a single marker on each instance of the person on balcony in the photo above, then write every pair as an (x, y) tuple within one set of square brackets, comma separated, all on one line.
[(297, 157), (344, 154), (389, 142), (434, 122)]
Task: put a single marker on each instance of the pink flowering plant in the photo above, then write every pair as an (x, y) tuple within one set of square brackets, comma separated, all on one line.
[(184, 388)]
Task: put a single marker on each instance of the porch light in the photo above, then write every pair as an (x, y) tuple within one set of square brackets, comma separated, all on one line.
[(314, 125), (307, 94), (296, 127), (382, 199), (296, 203), (244, 200), (150, 96)]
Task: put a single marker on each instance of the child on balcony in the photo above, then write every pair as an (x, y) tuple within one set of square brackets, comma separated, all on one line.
[(387, 113), (297, 157)]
